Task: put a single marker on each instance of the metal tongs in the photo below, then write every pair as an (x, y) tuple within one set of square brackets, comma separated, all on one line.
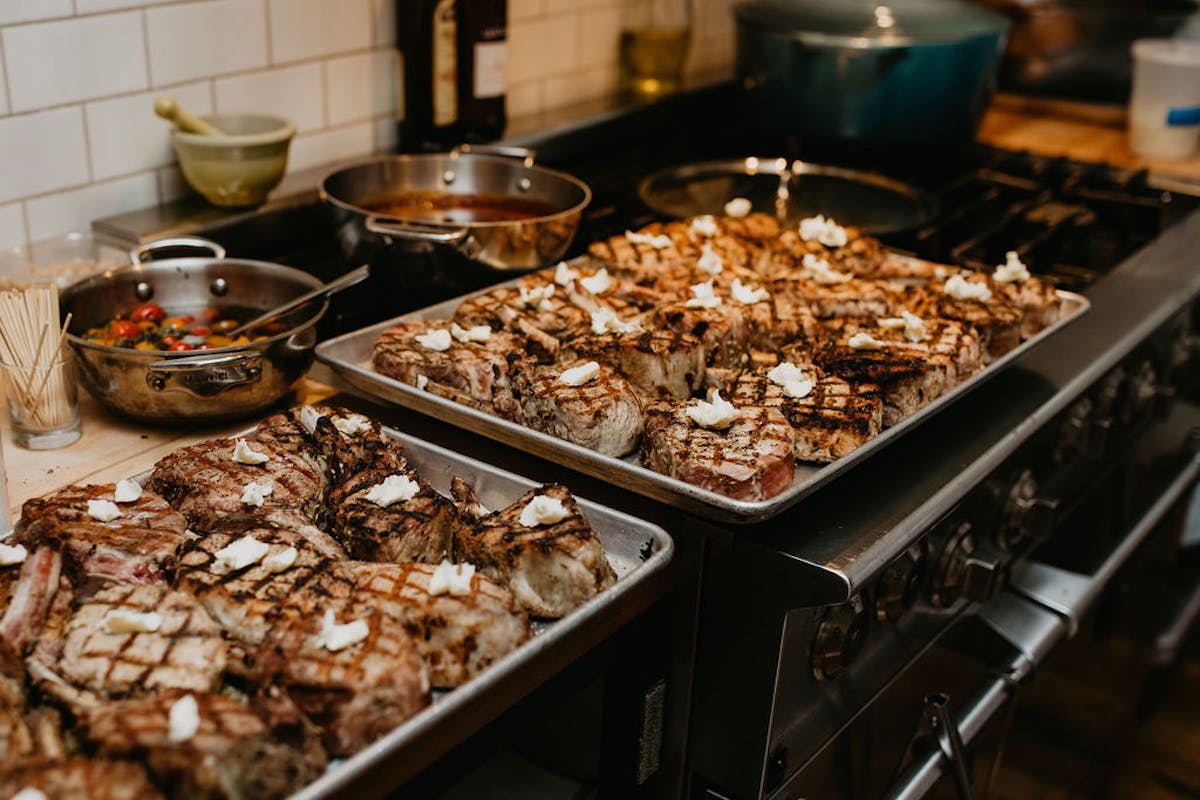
[(333, 287)]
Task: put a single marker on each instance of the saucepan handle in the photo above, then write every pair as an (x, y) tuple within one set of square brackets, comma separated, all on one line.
[(205, 376), (525, 154), (147, 251), (416, 231)]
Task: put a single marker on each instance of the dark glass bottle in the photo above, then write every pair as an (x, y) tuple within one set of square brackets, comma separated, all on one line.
[(453, 55)]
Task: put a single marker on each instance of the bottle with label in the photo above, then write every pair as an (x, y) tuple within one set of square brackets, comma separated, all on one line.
[(453, 55)]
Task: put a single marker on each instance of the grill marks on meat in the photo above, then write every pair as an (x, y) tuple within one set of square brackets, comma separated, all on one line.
[(551, 569), (137, 547), (456, 635), (204, 483), (603, 415), (30, 599), (906, 381), (231, 754), (752, 459), (723, 331), (833, 419), (186, 652), (477, 370), (502, 309), (78, 778), (658, 363)]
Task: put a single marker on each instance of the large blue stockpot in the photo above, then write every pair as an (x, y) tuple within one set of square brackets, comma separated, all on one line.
[(879, 75)]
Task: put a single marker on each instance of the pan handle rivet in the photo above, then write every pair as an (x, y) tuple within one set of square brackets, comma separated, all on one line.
[(524, 184), (448, 176), (144, 291), (219, 287)]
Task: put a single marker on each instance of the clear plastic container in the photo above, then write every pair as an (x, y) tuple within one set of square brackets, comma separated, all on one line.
[(61, 261), (1164, 107)]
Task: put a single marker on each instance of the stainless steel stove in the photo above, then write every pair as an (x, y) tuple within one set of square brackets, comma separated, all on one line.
[(866, 642)]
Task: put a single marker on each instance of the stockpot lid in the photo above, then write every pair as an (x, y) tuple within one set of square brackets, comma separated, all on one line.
[(872, 23)]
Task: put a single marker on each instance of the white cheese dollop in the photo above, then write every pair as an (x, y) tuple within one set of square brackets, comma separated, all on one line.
[(127, 491), (238, 555), (912, 325), (451, 579), (281, 561), (242, 454), (352, 425), (334, 637), (578, 376), (823, 230), (738, 207), (422, 382), (254, 493), (103, 510), (183, 720), (709, 261), (864, 341), (747, 296), (438, 340), (716, 413), (793, 380), (598, 283), (960, 288), (122, 620), (393, 489), (659, 242), (703, 296), (542, 510), (818, 270), (605, 320), (12, 554), (704, 225), (536, 298), (1013, 270), (309, 417), (563, 275), (29, 793), (477, 333)]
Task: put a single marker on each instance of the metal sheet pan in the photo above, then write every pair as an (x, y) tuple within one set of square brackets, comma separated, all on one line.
[(349, 356)]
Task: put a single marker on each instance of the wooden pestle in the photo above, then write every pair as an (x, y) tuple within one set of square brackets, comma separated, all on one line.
[(166, 107)]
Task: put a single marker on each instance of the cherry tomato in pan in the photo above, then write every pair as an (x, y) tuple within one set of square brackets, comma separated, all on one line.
[(124, 329), (168, 340), (200, 330), (205, 347), (148, 312), (179, 347), (210, 314)]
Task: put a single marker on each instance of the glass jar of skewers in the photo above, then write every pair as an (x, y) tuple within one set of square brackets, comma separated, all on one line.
[(36, 369)]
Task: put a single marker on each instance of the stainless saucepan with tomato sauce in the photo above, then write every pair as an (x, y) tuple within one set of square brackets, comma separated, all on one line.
[(499, 210), (150, 337)]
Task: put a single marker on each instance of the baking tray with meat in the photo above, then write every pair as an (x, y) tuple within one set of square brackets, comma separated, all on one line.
[(858, 401), (131, 626)]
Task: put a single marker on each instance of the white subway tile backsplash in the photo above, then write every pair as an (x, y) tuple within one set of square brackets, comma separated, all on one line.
[(523, 99), (74, 210), (172, 185), (29, 10), (386, 135), (12, 225), (292, 92), (603, 32), (362, 85), (198, 40), (538, 44), (45, 151), (525, 9), (580, 87), (384, 13), (124, 134), (68, 60), (92, 6), (310, 28), (326, 147), (3, 87)]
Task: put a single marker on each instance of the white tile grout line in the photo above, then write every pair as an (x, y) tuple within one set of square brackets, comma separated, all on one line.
[(270, 49), (146, 48)]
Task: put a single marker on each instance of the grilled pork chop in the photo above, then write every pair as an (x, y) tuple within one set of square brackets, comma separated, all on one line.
[(658, 363), (1038, 302), (552, 567), (829, 421), (230, 754), (722, 330), (477, 369), (457, 635), (30, 599), (752, 459), (996, 319), (420, 528), (602, 414), (293, 577), (345, 438), (138, 546), (356, 689), (205, 482), (184, 651), (79, 778), (905, 380), (526, 310)]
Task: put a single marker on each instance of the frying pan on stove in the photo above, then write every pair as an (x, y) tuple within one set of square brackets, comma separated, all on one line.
[(791, 190)]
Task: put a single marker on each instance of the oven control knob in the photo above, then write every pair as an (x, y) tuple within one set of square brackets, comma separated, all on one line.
[(1073, 432), (897, 588), (840, 634), (1026, 517), (1099, 432), (1142, 394), (963, 570)]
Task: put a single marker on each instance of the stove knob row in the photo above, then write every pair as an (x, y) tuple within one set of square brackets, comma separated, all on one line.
[(898, 586), (840, 633), (1026, 517), (963, 569)]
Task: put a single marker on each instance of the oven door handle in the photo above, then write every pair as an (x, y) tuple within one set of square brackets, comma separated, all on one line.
[(1072, 594)]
